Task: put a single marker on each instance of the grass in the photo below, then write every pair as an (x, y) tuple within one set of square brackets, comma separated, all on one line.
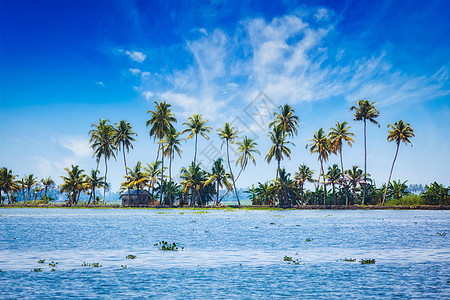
[(408, 200)]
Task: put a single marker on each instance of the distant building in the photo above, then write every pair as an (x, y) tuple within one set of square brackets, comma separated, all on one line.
[(133, 199)]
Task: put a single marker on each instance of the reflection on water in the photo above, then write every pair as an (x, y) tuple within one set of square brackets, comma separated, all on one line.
[(227, 253)]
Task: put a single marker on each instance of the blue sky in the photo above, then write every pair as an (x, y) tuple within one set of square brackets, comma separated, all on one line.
[(67, 64)]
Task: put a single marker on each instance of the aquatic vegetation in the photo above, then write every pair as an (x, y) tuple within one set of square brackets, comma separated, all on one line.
[(123, 267), (95, 265), (308, 239), (271, 223), (291, 260), (53, 264), (52, 270), (348, 259), (37, 270), (287, 258), (41, 261), (165, 246), (367, 261), (130, 256), (279, 216), (192, 221), (441, 233)]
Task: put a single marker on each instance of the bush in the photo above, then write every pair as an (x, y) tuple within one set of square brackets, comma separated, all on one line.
[(408, 200)]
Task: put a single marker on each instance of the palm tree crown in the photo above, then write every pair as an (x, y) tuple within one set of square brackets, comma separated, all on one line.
[(196, 125), (123, 138), (286, 119)]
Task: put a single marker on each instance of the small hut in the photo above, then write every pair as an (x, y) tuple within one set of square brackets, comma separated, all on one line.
[(135, 199)]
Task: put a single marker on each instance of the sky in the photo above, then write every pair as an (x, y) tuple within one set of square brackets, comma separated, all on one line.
[(67, 64)]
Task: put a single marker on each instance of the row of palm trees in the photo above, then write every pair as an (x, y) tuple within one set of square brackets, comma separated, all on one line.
[(108, 140)]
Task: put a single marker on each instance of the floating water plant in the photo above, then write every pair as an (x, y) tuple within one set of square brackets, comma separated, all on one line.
[(308, 239), (441, 233), (349, 259), (123, 267), (41, 261), (287, 258), (165, 246), (37, 270), (291, 260), (95, 265), (367, 261), (53, 264), (272, 223), (130, 256)]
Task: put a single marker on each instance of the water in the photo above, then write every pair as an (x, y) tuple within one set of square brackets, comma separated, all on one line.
[(227, 254)]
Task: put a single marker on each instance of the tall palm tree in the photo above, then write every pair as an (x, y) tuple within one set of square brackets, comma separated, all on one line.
[(161, 122), (123, 138), (153, 170), (247, 147), (365, 111), (102, 141), (220, 177), (278, 151), (196, 126), (228, 134), (94, 181), (286, 119), (333, 175), (263, 192), (321, 145), (170, 146), (303, 175), (338, 136), (47, 182), (399, 132), (355, 175), (30, 180)]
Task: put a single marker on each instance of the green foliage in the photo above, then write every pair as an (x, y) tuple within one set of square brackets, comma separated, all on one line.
[(130, 256), (409, 200), (441, 233), (53, 264), (165, 246), (349, 259), (41, 261), (367, 261), (95, 265), (308, 240), (37, 270)]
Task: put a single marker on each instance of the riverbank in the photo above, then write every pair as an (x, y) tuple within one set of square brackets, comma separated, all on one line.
[(248, 207)]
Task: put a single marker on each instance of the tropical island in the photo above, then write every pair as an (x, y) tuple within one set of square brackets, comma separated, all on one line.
[(334, 187)]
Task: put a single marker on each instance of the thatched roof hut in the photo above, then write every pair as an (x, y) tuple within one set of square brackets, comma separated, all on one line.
[(135, 199)]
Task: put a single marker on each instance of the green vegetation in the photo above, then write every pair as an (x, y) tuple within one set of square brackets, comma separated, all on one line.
[(165, 246), (333, 184), (367, 261), (95, 265), (37, 270), (130, 256)]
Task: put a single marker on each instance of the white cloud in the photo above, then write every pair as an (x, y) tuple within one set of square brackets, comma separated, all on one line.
[(134, 55), (147, 94), (79, 145), (100, 83), (321, 14), (139, 72)]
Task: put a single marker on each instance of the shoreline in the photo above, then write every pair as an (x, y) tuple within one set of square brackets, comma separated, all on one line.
[(245, 207)]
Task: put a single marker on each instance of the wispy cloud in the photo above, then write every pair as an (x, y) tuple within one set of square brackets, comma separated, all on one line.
[(288, 58), (134, 55), (79, 145), (100, 83)]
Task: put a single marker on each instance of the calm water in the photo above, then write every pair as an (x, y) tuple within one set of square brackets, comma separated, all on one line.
[(227, 254)]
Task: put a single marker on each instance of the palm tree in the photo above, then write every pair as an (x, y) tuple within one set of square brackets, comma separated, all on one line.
[(355, 175), (303, 175), (399, 132), (365, 110), (397, 189), (286, 119), (161, 123), (263, 192), (196, 126), (333, 175), (220, 177), (170, 146), (246, 148), (194, 178), (94, 182), (321, 145), (73, 184), (253, 195), (338, 136), (8, 183), (123, 138), (47, 182), (135, 178), (153, 170), (103, 142), (278, 151), (29, 181), (228, 134)]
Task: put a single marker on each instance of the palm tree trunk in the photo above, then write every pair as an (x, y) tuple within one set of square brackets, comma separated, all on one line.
[(217, 192), (126, 170), (195, 151), (232, 177), (365, 163), (28, 193), (23, 193), (170, 179), (104, 187), (343, 177), (334, 195), (318, 181), (355, 200), (390, 174), (161, 191), (301, 194)]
